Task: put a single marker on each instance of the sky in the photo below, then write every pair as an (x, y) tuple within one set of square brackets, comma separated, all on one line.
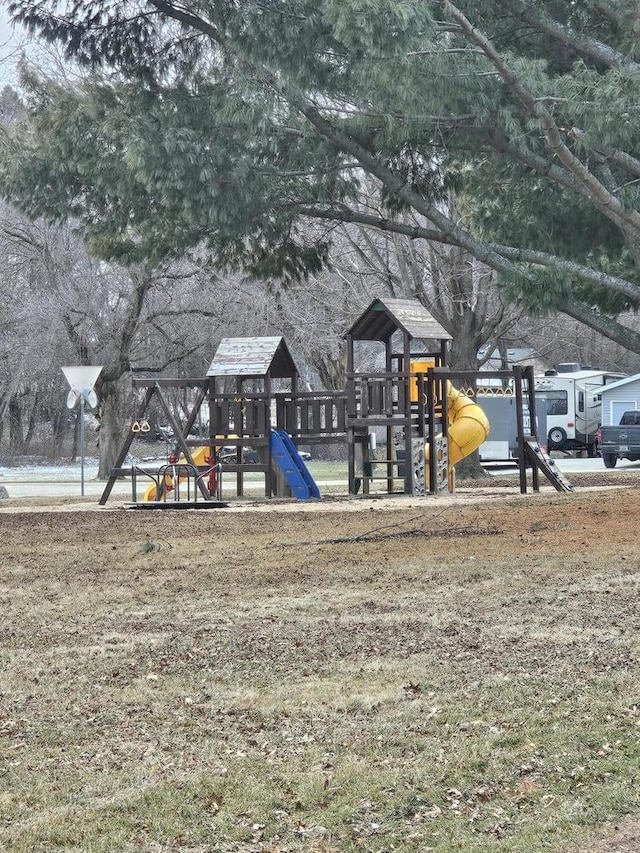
[(12, 44), (9, 45)]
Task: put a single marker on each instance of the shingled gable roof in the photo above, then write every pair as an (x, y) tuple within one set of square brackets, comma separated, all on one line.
[(253, 357), (383, 318)]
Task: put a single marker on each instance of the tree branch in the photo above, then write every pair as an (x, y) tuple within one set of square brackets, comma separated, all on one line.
[(607, 203), (404, 192), (597, 50), (510, 253), (602, 323)]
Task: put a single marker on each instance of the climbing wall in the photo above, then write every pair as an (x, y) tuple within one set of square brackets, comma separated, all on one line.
[(419, 466)]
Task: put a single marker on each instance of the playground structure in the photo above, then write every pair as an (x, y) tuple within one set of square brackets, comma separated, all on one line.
[(428, 416)]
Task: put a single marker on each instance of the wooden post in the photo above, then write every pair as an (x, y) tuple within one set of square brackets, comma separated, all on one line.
[(517, 378), (533, 420), (431, 429), (181, 441), (406, 371), (142, 408), (351, 412)]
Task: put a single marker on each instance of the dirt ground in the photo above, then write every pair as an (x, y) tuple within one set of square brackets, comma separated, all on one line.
[(297, 542)]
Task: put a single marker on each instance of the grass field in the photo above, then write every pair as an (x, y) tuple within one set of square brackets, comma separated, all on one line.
[(363, 676)]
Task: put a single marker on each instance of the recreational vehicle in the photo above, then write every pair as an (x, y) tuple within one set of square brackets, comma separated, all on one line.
[(573, 407)]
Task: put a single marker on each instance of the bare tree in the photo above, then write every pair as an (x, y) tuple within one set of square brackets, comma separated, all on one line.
[(126, 319)]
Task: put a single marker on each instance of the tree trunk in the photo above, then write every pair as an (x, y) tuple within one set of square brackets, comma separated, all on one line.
[(75, 447), (470, 468), (464, 356), (59, 421), (111, 427), (32, 423), (330, 369), (16, 434)]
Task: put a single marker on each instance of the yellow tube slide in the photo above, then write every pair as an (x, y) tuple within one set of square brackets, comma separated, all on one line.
[(199, 458), (468, 428), (468, 425)]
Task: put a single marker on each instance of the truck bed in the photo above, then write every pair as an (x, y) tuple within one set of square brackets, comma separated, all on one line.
[(621, 441)]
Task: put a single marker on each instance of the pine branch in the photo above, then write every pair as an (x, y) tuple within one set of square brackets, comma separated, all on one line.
[(581, 43), (603, 200)]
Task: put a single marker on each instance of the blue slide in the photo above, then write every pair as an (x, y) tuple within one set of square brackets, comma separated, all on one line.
[(295, 472)]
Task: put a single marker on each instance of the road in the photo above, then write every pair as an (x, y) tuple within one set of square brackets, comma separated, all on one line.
[(576, 466)]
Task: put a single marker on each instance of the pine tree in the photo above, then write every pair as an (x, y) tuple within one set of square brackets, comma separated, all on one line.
[(234, 123)]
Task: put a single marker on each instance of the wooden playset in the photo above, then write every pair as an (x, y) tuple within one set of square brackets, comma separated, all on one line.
[(427, 416)]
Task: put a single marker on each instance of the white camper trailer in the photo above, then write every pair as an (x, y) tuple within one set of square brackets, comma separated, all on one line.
[(573, 407), (499, 405)]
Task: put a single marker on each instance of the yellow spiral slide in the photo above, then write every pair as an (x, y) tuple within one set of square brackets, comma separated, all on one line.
[(468, 427)]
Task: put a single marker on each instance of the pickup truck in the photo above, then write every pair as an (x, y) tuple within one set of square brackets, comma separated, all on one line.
[(622, 441)]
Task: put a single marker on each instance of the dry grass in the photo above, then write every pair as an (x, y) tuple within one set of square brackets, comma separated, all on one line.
[(292, 682)]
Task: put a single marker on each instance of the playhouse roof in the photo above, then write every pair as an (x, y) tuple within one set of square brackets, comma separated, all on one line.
[(253, 357), (383, 318)]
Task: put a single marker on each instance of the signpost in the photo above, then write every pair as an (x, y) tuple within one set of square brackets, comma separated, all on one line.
[(81, 380)]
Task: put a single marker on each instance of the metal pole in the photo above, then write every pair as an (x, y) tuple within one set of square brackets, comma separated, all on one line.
[(82, 445)]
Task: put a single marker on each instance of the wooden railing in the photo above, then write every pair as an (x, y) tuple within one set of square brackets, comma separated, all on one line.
[(312, 415), (381, 397), (245, 416)]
